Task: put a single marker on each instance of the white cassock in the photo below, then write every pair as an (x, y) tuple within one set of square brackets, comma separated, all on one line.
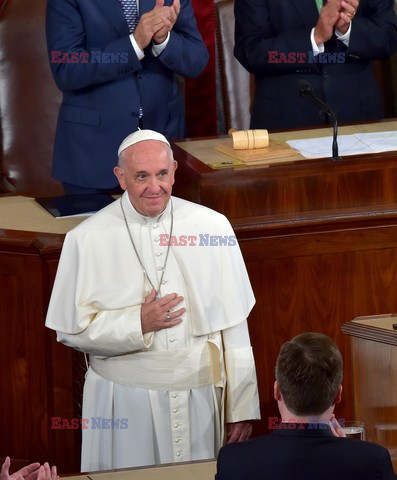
[(159, 397)]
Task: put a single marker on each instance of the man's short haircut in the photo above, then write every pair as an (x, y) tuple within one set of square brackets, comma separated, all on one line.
[(309, 371)]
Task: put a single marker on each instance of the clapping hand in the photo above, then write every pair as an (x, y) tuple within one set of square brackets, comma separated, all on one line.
[(155, 25), (349, 9), (31, 472)]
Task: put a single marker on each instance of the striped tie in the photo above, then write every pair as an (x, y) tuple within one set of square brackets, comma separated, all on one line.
[(130, 9)]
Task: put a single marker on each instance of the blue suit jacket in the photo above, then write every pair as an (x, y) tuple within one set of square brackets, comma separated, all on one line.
[(104, 83), (304, 454), (284, 26)]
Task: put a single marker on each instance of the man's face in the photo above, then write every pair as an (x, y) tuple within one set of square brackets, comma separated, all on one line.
[(147, 173)]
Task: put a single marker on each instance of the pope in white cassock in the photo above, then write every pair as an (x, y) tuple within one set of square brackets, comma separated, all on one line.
[(154, 289)]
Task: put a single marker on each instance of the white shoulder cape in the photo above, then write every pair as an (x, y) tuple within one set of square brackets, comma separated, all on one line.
[(99, 271)]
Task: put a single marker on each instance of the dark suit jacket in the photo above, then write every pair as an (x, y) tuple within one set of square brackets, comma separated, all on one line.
[(349, 88), (304, 454), (102, 94)]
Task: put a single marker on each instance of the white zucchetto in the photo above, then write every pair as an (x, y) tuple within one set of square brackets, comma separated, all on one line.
[(140, 136)]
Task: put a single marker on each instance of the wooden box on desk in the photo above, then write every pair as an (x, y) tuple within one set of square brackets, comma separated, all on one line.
[(374, 358)]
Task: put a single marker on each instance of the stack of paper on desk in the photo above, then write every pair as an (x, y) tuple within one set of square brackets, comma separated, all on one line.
[(355, 144)]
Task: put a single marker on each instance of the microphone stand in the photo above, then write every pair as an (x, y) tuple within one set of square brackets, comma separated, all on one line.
[(335, 152), (306, 91)]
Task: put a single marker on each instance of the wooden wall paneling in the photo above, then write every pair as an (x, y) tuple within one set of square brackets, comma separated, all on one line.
[(36, 380), (23, 380), (374, 361), (316, 281), (311, 274)]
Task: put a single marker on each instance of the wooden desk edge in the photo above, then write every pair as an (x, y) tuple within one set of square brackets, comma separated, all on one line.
[(90, 475), (372, 332)]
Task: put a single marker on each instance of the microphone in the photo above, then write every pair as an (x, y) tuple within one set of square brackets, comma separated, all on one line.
[(306, 90)]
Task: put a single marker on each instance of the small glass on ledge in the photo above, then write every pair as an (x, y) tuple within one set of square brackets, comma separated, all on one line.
[(354, 429)]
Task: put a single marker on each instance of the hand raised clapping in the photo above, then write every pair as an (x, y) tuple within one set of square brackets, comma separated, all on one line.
[(34, 471), (156, 24)]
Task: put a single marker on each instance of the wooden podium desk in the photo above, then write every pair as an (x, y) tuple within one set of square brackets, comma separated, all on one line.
[(319, 239), (374, 360), (303, 185), (320, 242)]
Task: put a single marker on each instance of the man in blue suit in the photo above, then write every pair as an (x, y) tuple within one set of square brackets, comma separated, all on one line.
[(306, 443), (331, 46), (117, 72)]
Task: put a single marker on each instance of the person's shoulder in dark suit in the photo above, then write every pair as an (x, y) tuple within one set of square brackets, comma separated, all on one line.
[(304, 455)]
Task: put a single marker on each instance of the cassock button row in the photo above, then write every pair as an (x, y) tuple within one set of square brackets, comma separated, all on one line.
[(156, 239), (155, 225), (175, 410), (172, 340), (178, 454), (158, 254), (175, 395), (160, 267), (163, 282), (176, 425), (178, 440)]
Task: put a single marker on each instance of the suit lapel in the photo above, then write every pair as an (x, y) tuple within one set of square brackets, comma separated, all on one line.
[(307, 11), (114, 14)]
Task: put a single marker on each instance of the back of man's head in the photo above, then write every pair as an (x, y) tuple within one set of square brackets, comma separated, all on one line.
[(309, 371)]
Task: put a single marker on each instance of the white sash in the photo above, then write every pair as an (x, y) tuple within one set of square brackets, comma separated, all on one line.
[(162, 370)]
